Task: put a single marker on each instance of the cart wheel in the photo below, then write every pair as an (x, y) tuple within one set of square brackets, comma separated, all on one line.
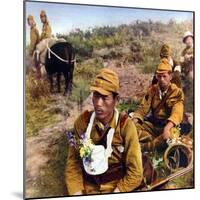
[(178, 156)]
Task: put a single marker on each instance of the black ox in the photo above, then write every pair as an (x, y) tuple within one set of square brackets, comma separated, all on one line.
[(59, 60)]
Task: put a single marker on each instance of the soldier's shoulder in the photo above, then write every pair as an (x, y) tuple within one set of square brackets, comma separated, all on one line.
[(175, 89), (36, 31), (184, 51), (81, 123), (123, 119), (83, 117), (48, 25), (127, 127), (152, 88), (187, 51), (35, 28), (126, 122)]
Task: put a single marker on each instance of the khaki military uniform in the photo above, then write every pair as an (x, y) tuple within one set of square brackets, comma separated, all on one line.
[(34, 39), (152, 119), (46, 31), (166, 53), (187, 63), (187, 68), (126, 153)]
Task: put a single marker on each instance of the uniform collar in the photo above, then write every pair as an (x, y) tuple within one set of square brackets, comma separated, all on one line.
[(46, 23), (112, 123), (163, 93), (33, 27)]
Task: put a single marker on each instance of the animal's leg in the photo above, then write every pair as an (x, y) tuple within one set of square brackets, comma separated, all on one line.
[(37, 67), (71, 78), (39, 75), (70, 84), (58, 81), (51, 83), (66, 75)]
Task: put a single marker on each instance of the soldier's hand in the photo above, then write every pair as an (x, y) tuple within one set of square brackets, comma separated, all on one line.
[(166, 134), (78, 193), (166, 131), (135, 120), (116, 190)]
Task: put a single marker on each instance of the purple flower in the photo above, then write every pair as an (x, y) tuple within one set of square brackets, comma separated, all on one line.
[(69, 135), (82, 136), (71, 140)]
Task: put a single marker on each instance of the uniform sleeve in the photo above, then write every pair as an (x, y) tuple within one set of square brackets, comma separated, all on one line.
[(48, 32), (144, 106), (34, 39), (177, 109), (133, 159), (73, 171)]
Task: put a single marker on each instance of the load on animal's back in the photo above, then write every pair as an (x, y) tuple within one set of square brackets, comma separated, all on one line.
[(56, 55)]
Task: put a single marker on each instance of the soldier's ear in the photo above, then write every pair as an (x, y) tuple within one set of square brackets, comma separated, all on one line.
[(117, 98), (170, 74)]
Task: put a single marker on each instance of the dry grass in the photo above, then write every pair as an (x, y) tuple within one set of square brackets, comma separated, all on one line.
[(37, 101)]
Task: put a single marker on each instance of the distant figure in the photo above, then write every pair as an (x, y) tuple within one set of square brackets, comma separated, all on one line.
[(34, 40), (187, 55), (187, 63), (34, 35), (166, 52), (46, 29), (45, 40)]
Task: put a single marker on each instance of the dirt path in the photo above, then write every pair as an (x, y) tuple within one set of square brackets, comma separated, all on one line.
[(46, 152), (133, 83)]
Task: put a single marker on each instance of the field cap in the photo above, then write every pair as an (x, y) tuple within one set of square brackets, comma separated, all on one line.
[(106, 82)]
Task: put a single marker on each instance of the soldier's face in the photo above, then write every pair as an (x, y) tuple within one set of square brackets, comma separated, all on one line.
[(189, 41), (43, 18), (164, 80), (104, 106), (30, 22)]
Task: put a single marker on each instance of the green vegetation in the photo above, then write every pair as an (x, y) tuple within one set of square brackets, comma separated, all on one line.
[(140, 41), (84, 74), (37, 101), (124, 106)]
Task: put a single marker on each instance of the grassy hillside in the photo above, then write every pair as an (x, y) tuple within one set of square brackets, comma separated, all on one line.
[(137, 43)]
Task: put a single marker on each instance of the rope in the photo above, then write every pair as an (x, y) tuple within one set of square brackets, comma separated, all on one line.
[(61, 59)]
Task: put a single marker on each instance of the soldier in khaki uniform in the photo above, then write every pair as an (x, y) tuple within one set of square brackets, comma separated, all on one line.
[(160, 110), (46, 29), (34, 34), (166, 52), (124, 171), (187, 55), (187, 64)]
